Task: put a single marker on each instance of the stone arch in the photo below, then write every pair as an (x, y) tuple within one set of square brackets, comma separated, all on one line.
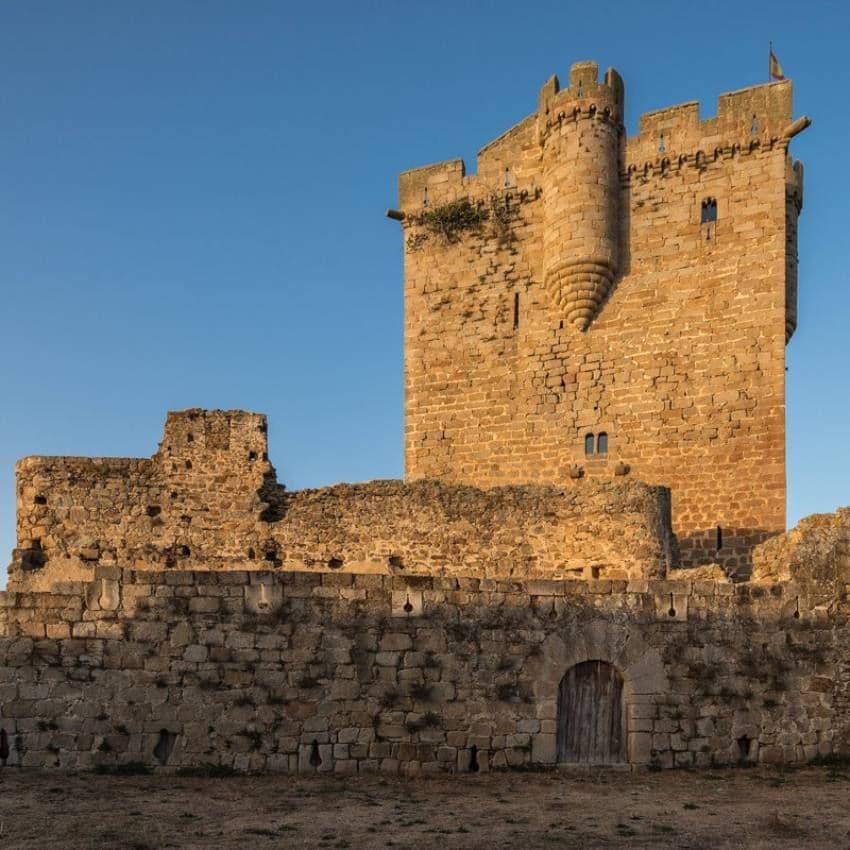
[(645, 683)]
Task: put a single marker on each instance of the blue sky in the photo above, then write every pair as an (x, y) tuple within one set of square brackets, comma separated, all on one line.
[(191, 199)]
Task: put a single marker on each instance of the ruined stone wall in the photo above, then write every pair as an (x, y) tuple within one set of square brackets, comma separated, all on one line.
[(346, 673), (209, 499), (529, 326)]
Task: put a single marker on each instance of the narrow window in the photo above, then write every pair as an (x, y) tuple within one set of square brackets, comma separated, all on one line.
[(719, 538), (661, 146), (708, 212), (507, 178), (602, 444), (589, 441), (516, 310)]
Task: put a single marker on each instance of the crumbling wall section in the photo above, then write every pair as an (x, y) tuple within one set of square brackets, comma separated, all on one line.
[(209, 499)]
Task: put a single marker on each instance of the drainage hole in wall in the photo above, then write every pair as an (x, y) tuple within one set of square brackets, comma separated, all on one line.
[(164, 746)]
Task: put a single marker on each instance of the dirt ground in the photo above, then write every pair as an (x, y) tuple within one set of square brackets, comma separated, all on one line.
[(715, 809)]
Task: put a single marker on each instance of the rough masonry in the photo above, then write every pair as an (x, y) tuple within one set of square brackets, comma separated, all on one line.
[(586, 562)]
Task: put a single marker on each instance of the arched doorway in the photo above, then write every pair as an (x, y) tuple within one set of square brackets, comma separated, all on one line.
[(590, 715)]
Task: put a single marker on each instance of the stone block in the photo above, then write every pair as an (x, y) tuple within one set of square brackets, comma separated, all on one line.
[(543, 749)]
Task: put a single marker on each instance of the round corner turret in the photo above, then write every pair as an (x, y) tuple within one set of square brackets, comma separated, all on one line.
[(581, 134)]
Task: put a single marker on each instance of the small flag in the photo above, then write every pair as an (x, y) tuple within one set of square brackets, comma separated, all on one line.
[(775, 67)]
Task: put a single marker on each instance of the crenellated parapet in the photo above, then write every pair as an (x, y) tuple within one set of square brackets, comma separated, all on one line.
[(585, 97)]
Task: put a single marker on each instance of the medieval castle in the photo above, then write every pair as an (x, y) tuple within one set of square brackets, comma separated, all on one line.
[(587, 561)]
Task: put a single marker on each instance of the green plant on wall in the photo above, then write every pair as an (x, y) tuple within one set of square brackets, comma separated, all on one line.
[(449, 222)]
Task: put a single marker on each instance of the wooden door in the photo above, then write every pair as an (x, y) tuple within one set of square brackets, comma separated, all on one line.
[(590, 715)]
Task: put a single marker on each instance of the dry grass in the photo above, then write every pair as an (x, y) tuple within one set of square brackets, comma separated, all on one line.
[(714, 809)]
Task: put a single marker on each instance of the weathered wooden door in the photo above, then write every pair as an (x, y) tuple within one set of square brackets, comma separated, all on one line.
[(590, 715)]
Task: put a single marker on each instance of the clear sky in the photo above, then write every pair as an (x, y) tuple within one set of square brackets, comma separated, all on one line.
[(192, 197)]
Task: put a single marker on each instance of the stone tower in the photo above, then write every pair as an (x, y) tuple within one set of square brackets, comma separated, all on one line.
[(590, 305), (581, 150)]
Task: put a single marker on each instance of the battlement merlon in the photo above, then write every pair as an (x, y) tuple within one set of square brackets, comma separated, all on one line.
[(759, 116), (196, 432)]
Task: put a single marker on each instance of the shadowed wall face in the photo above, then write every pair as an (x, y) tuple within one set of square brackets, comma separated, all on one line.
[(611, 306), (309, 673)]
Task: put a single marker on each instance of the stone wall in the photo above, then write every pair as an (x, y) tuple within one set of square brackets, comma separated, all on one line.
[(209, 499), (345, 673), (570, 289)]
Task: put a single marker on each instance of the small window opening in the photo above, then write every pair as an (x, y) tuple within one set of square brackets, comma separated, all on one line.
[(153, 510), (41, 500), (661, 146), (507, 178), (754, 127), (190, 437), (708, 212), (188, 464), (315, 758), (425, 197), (580, 92), (671, 611), (516, 310), (602, 444), (252, 456), (474, 767), (251, 554), (589, 442), (718, 538)]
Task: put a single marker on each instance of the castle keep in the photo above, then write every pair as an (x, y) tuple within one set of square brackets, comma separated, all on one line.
[(587, 561), (594, 305)]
